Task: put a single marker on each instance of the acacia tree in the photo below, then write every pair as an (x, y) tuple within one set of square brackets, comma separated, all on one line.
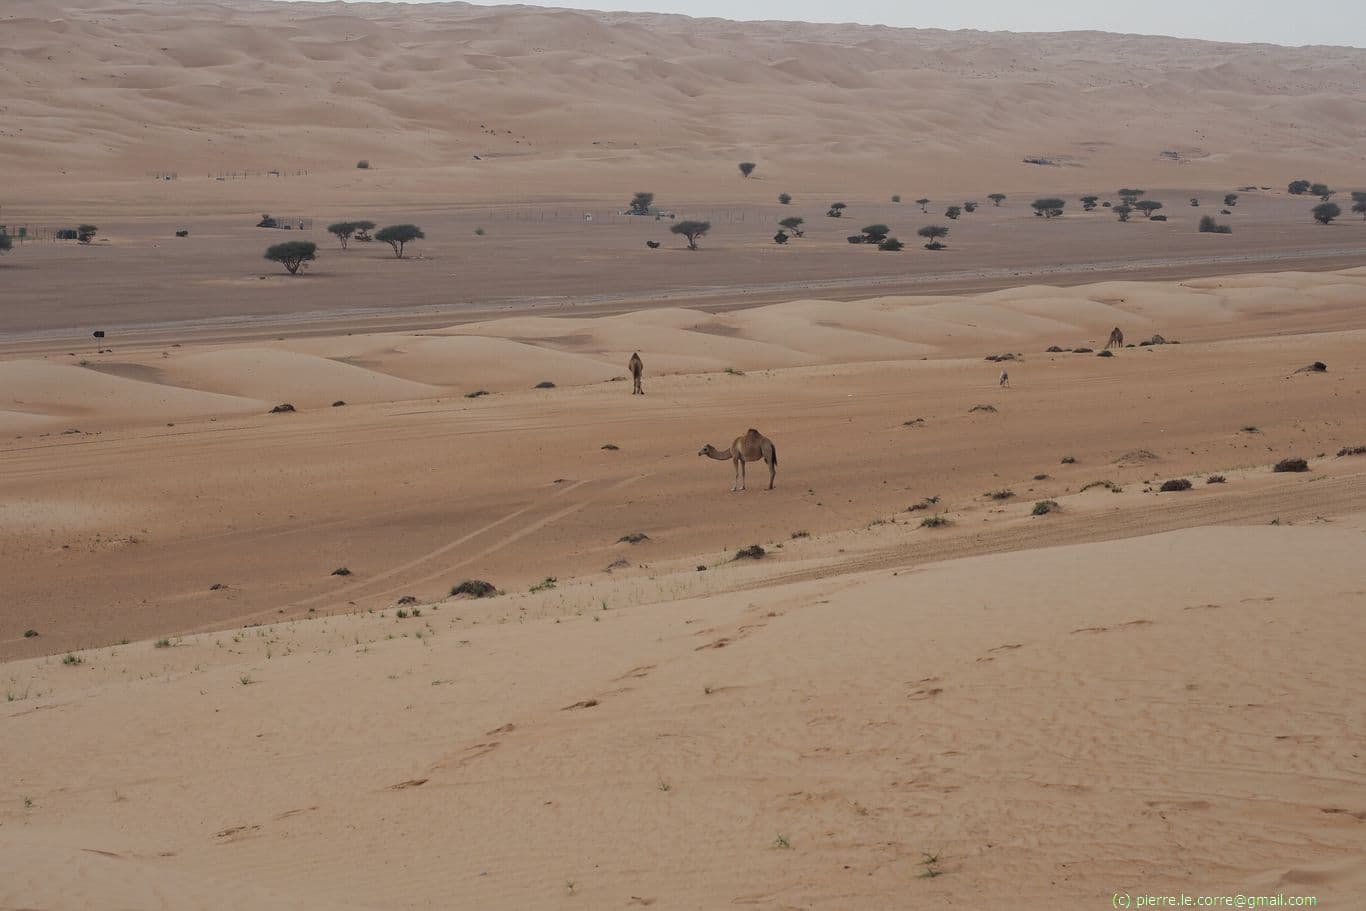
[(785, 198), (923, 203), (747, 167), (398, 236), (343, 230), (932, 233), (692, 230), (1089, 202), (1325, 212), (836, 210), (1129, 197), (1148, 207), (1322, 191), (641, 202), (1298, 187), (1123, 210), (5, 243), (997, 198), (1048, 207), (890, 244), (793, 224), (1359, 203), (292, 254), (86, 233)]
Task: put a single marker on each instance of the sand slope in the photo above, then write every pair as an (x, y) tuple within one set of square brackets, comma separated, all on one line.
[(1162, 733)]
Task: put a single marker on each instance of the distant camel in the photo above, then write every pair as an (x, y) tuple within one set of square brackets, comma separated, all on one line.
[(1116, 339), (751, 447), (637, 368), (1005, 378)]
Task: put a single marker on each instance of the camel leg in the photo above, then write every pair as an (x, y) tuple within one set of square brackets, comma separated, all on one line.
[(740, 472), (772, 472)]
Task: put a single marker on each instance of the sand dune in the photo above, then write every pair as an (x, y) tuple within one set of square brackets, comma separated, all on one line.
[(568, 99), (506, 355)]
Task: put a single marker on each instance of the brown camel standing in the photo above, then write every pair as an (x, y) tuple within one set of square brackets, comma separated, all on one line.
[(637, 368), (751, 447), (1116, 339)]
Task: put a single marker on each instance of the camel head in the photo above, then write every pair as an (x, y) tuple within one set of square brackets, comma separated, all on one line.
[(706, 450)]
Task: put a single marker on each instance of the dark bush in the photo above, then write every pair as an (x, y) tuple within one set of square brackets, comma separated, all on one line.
[(891, 244), (753, 552), (1209, 226), (1048, 207), (474, 588), (640, 203), (545, 384), (1044, 507), (785, 198), (1325, 212), (1175, 484), (1291, 465), (284, 408), (1106, 353), (363, 164), (1215, 479)]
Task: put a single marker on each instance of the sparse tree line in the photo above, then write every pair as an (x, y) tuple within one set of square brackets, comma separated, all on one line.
[(293, 254)]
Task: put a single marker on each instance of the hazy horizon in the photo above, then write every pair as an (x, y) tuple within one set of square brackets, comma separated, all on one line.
[(1328, 22)]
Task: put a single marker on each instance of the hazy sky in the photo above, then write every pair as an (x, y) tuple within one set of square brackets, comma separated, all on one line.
[(1304, 22)]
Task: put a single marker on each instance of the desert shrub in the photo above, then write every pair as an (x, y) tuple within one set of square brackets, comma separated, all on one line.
[(989, 409), (634, 537), (545, 384), (363, 164), (610, 447), (937, 521), (267, 222), (836, 210), (292, 254), (896, 198), (1055, 349), (747, 167), (5, 243), (856, 239), (793, 224), (476, 393), (1123, 211), (341, 571), (1359, 207), (1195, 201), (1291, 464), (1325, 212), (1089, 202), (479, 232), (996, 198), (1230, 200), (474, 588), (969, 206), (780, 237), (953, 212), (891, 245), (1069, 460), (282, 408), (1351, 451), (1159, 218), (1041, 477), (1002, 494), (785, 198), (1216, 479), (1298, 187), (1107, 484), (1048, 207), (1321, 190), (1175, 484), (86, 233), (1225, 212), (339, 403), (1083, 350), (1209, 226), (692, 230), (1044, 507), (1316, 367), (1106, 353), (182, 232), (399, 236), (753, 552)]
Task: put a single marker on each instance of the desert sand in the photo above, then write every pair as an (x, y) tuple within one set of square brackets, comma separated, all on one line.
[(235, 674)]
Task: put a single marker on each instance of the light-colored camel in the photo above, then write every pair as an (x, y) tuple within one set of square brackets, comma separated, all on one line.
[(751, 447), (637, 368), (1116, 339)]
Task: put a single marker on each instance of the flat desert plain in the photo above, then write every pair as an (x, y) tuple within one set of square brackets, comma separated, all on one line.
[(968, 652)]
